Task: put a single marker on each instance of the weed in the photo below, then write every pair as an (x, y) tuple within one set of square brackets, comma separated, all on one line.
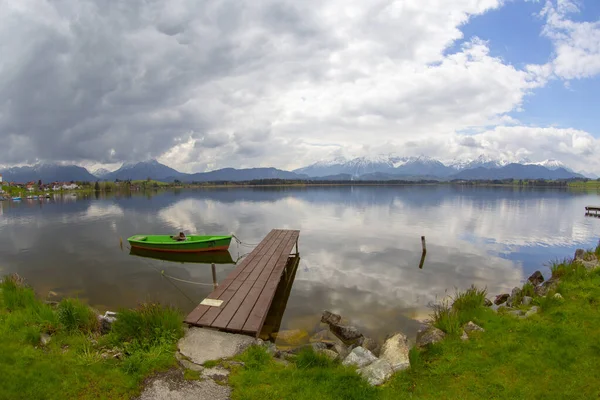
[(256, 358), (148, 325), (31, 335), (469, 300), (446, 318), (15, 295), (528, 289), (308, 358), (560, 268), (76, 316), (191, 375), (211, 363)]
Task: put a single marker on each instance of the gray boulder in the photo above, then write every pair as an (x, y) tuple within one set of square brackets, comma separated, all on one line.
[(429, 335), (558, 296), (395, 351), (533, 310), (579, 254), (526, 300), (464, 336), (515, 297), (332, 355), (359, 357), (45, 339), (369, 344), (330, 318), (472, 327), (536, 278), (377, 373), (106, 321), (346, 333), (501, 298)]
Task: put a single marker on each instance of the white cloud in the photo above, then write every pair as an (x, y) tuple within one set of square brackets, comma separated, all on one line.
[(577, 44), (261, 83)]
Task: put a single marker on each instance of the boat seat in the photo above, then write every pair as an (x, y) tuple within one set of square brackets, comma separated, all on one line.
[(140, 238)]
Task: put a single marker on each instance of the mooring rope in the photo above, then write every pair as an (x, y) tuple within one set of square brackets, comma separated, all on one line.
[(183, 280), (241, 243)]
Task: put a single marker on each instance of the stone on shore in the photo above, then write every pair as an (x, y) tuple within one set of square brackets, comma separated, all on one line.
[(369, 344), (172, 386), (532, 311), (201, 345), (464, 336), (472, 327), (332, 355), (45, 339), (294, 337), (359, 357), (377, 373), (330, 318), (395, 351), (515, 297), (579, 254), (346, 333), (501, 298), (429, 335), (536, 278), (526, 300), (106, 321), (558, 296)]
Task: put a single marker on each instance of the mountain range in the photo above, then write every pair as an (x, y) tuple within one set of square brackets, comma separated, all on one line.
[(381, 167)]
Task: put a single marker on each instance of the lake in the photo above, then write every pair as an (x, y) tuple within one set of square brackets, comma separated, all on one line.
[(360, 246)]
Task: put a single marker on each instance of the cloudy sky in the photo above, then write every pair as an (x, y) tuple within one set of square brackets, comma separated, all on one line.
[(205, 84)]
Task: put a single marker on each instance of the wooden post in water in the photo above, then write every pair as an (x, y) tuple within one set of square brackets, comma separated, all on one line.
[(214, 274), (424, 246)]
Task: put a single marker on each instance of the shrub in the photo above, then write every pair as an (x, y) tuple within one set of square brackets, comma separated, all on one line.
[(528, 289), (446, 318), (469, 300), (308, 358), (560, 268), (76, 316), (148, 325), (15, 295)]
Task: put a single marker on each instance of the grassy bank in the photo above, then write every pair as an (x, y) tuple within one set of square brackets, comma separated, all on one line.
[(551, 355), (78, 362)]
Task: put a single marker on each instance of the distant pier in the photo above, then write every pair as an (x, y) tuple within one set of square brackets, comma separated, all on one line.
[(592, 211)]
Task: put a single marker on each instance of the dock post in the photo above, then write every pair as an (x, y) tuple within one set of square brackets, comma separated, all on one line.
[(297, 250), (424, 246), (214, 275)]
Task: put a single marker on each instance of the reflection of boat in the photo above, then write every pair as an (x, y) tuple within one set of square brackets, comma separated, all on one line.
[(191, 244), (207, 257)]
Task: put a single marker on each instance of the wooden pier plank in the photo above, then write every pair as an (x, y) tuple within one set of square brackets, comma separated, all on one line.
[(257, 316), (209, 317), (228, 311), (248, 291), (200, 310)]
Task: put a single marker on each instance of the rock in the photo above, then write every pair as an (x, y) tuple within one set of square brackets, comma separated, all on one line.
[(332, 355), (536, 278), (533, 310), (501, 298), (377, 373), (45, 339), (173, 387), (395, 351), (487, 302), (579, 254), (346, 333), (472, 327), (429, 335), (369, 344), (547, 286), (190, 365), (201, 345), (106, 321), (217, 374), (558, 296), (330, 318), (322, 336), (464, 336), (589, 265), (341, 349), (294, 337), (526, 300), (515, 297), (359, 357), (516, 313), (496, 308)]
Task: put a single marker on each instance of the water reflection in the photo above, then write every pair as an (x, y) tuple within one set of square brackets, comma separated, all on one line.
[(361, 246)]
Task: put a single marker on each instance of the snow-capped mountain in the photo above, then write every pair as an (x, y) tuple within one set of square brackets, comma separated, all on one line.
[(550, 164), (384, 163), (394, 165), (101, 172)]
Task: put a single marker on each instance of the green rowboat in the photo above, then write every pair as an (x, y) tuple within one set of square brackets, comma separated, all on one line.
[(191, 244), (205, 257)]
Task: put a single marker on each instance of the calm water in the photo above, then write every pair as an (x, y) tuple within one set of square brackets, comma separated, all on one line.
[(360, 246)]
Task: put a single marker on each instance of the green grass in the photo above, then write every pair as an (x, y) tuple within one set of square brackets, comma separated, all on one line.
[(451, 314), (551, 355), (77, 362)]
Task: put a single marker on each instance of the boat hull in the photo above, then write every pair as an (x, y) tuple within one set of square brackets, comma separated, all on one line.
[(193, 244)]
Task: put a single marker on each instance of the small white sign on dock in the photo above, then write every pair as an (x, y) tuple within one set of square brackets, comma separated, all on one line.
[(212, 302)]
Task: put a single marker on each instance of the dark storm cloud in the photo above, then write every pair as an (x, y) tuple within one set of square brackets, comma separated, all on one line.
[(112, 81)]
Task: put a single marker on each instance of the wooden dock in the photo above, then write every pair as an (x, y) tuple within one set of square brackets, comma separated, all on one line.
[(592, 211), (241, 302)]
